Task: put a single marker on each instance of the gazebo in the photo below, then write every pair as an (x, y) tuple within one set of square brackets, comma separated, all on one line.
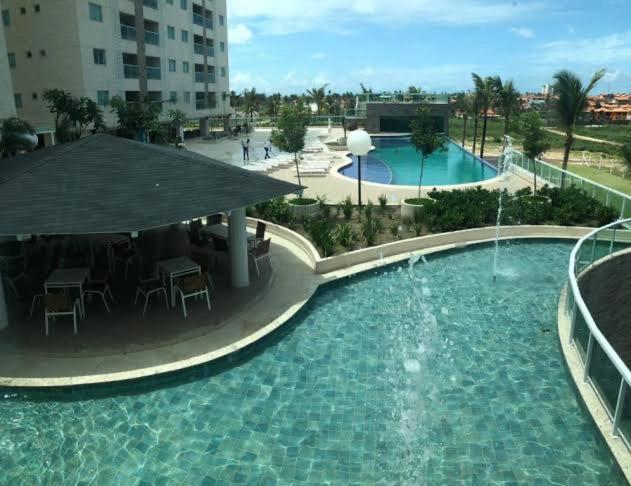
[(103, 184)]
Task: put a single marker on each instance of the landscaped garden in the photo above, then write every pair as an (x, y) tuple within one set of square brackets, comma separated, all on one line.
[(342, 227)]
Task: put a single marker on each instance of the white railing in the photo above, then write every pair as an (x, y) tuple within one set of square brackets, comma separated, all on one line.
[(600, 244), (553, 175)]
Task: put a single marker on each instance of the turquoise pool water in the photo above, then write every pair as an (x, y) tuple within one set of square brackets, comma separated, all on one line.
[(428, 374), (396, 161)]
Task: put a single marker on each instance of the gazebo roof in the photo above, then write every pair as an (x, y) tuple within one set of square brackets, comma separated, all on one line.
[(106, 184)]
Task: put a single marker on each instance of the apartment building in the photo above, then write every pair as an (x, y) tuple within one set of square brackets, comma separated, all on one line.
[(7, 106), (171, 51)]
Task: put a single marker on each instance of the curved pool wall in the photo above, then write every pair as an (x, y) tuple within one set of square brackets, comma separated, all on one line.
[(445, 377), (395, 161)]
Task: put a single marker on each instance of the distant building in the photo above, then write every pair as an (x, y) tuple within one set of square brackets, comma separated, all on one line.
[(171, 51), (7, 103), (393, 112), (547, 90)]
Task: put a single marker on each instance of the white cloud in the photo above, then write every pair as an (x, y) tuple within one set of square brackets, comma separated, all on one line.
[(582, 51), (242, 80), (366, 72), (239, 34), (523, 32), (319, 55), (340, 16)]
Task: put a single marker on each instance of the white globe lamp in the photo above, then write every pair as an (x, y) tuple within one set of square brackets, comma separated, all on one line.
[(359, 144)]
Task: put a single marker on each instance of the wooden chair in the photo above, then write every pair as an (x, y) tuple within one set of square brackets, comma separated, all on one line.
[(61, 305), (260, 235), (194, 286), (259, 253), (126, 257), (220, 246)]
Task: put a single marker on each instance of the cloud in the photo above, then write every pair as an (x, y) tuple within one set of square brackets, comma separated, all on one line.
[(523, 32), (239, 34), (366, 72), (241, 80), (340, 16), (582, 51), (319, 55)]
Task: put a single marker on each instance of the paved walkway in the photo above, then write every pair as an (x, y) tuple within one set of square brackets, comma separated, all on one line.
[(583, 137)]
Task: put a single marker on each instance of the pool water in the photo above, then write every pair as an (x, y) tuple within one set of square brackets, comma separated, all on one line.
[(412, 374), (396, 161)]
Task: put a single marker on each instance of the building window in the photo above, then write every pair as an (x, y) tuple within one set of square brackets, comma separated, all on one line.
[(221, 20), (42, 52), (185, 66), (173, 96), (222, 46), (35, 96), (183, 4), (187, 96), (170, 32), (223, 72), (23, 10), (170, 2), (36, 7), (184, 35), (99, 56), (172, 68), (96, 12), (17, 98), (29, 54), (11, 56), (6, 18), (103, 97)]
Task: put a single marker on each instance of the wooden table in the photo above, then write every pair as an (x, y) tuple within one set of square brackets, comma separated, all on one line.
[(65, 278), (222, 231), (178, 267)]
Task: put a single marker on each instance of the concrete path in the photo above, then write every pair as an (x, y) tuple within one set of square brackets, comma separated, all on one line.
[(583, 137)]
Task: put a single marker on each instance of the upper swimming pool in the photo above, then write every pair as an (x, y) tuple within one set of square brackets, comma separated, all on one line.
[(396, 161), (417, 373)]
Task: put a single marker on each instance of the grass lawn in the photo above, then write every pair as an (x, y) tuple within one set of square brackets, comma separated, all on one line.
[(612, 133), (603, 177)]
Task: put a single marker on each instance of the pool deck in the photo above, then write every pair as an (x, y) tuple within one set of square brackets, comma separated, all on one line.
[(123, 345)]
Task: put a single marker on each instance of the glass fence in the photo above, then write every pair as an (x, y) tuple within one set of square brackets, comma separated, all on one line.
[(553, 175), (603, 368)]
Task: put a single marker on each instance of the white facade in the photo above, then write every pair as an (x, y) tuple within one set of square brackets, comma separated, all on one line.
[(63, 44), (7, 104)]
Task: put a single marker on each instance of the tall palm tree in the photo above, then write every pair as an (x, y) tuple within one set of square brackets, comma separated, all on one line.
[(16, 135), (475, 114), (318, 95), (464, 102), (506, 99), (484, 90), (274, 102), (571, 102), (251, 102)]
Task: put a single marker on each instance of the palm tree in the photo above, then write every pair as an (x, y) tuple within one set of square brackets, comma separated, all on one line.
[(484, 89), (571, 102), (475, 114), (506, 99), (178, 119), (274, 102), (16, 135), (463, 103), (251, 102), (318, 95)]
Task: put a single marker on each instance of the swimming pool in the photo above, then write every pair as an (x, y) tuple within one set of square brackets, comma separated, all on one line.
[(396, 161), (443, 377)]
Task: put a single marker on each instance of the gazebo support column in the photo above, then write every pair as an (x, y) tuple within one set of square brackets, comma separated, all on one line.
[(239, 272), (4, 317)]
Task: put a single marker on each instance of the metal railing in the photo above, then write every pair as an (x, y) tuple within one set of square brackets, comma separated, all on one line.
[(353, 113), (604, 370), (152, 38), (153, 72), (403, 98), (553, 175), (198, 19), (201, 77), (128, 32), (130, 70)]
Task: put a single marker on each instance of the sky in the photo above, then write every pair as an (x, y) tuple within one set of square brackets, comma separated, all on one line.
[(289, 46)]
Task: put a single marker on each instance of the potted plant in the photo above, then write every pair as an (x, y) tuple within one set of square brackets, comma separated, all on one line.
[(303, 207)]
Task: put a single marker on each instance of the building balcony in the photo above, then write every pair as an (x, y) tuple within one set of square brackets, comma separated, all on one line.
[(153, 73), (198, 19), (128, 32), (130, 71), (201, 77), (152, 38), (199, 49), (150, 3)]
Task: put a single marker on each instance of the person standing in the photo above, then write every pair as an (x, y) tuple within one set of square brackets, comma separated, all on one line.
[(246, 149), (267, 149)]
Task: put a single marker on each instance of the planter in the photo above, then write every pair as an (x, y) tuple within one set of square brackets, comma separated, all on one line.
[(408, 206), (304, 208), (536, 199)]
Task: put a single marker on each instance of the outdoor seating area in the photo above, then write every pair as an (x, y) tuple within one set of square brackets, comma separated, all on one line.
[(74, 276)]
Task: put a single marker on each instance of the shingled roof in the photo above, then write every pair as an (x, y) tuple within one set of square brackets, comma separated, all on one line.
[(106, 184)]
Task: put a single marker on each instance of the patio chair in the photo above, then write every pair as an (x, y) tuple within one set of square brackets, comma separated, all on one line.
[(61, 305), (260, 235), (99, 285), (149, 287), (29, 288), (194, 286), (259, 253), (220, 246), (125, 257)]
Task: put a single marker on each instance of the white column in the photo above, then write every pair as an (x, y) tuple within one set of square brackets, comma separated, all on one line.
[(203, 127), (4, 317), (239, 272)]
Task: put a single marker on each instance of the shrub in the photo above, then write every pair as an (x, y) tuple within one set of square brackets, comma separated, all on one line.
[(322, 235), (369, 209), (370, 230), (302, 201), (345, 235), (275, 210), (347, 208), (383, 202), (394, 230), (606, 215), (324, 209)]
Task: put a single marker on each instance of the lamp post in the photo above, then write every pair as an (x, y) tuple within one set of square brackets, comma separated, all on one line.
[(359, 144)]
